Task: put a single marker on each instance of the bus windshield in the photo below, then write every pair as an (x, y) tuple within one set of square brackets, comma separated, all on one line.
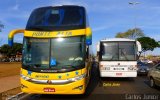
[(118, 51), (57, 18), (56, 55)]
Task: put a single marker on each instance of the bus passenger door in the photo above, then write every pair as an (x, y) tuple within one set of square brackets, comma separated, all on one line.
[(88, 63)]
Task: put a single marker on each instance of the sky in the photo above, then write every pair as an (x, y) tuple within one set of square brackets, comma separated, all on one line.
[(106, 17)]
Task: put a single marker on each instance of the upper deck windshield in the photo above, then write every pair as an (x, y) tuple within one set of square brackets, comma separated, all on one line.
[(118, 51), (54, 55), (57, 18)]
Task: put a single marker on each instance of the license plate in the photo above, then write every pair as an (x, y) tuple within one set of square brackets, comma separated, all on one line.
[(118, 74), (49, 89), (142, 71)]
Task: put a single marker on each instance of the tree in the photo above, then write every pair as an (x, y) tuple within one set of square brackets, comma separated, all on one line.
[(147, 43), (120, 35), (8, 51), (5, 50), (1, 26), (131, 33), (149, 56)]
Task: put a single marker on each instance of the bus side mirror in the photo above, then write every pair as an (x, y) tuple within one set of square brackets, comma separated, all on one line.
[(88, 36), (11, 35), (139, 47), (137, 57)]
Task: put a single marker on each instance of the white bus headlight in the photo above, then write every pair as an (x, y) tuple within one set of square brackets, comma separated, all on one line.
[(102, 68), (132, 68), (107, 68)]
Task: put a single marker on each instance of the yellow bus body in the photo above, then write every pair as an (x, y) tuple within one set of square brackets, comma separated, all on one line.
[(76, 87)]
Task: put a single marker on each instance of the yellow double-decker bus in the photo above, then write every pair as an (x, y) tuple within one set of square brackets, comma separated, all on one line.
[(56, 51)]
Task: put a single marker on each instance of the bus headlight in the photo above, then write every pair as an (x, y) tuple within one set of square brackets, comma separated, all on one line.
[(107, 68), (25, 77), (132, 68), (77, 78)]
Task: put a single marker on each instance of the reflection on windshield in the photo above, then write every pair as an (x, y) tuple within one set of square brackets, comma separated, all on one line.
[(58, 53), (36, 52), (68, 51), (118, 51), (110, 51)]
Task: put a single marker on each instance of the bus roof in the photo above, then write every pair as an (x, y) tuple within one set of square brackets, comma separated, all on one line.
[(57, 6), (117, 39)]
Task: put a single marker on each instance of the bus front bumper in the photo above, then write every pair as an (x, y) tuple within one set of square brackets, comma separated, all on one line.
[(118, 74), (77, 87)]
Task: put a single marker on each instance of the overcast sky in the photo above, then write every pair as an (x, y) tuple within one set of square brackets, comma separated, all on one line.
[(106, 17)]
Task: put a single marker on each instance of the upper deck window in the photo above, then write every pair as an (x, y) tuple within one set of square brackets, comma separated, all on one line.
[(57, 18)]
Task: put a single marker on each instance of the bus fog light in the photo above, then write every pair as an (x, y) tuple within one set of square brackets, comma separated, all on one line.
[(81, 87), (23, 86), (78, 87)]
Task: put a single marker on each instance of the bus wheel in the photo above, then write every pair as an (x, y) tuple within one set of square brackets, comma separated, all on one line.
[(89, 75), (152, 83)]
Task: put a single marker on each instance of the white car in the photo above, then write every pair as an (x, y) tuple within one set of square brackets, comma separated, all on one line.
[(154, 76)]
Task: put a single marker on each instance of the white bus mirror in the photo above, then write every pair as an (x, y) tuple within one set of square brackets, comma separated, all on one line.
[(11, 35), (139, 47)]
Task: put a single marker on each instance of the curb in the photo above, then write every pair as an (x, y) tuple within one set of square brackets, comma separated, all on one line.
[(17, 96)]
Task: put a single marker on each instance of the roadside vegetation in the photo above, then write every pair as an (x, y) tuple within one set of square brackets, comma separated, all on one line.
[(11, 54), (148, 44)]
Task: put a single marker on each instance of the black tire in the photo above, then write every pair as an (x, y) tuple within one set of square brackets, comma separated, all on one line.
[(152, 83)]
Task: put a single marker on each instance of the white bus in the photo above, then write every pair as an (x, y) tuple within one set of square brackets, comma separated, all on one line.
[(117, 57)]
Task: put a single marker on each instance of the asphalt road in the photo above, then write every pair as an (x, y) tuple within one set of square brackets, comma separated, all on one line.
[(109, 89)]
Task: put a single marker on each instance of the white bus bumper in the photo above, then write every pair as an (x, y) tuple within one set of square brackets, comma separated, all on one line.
[(118, 74)]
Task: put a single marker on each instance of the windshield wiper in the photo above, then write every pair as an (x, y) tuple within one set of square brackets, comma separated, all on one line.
[(72, 66), (32, 65), (37, 65), (124, 54)]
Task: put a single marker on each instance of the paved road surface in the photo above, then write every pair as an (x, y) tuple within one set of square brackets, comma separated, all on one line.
[(109, 89)]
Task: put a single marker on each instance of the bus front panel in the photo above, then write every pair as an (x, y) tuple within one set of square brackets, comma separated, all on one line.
[(73, 82), (118, 59)]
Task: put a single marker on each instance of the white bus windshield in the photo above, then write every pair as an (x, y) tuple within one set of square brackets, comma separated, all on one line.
[(118, 51)]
